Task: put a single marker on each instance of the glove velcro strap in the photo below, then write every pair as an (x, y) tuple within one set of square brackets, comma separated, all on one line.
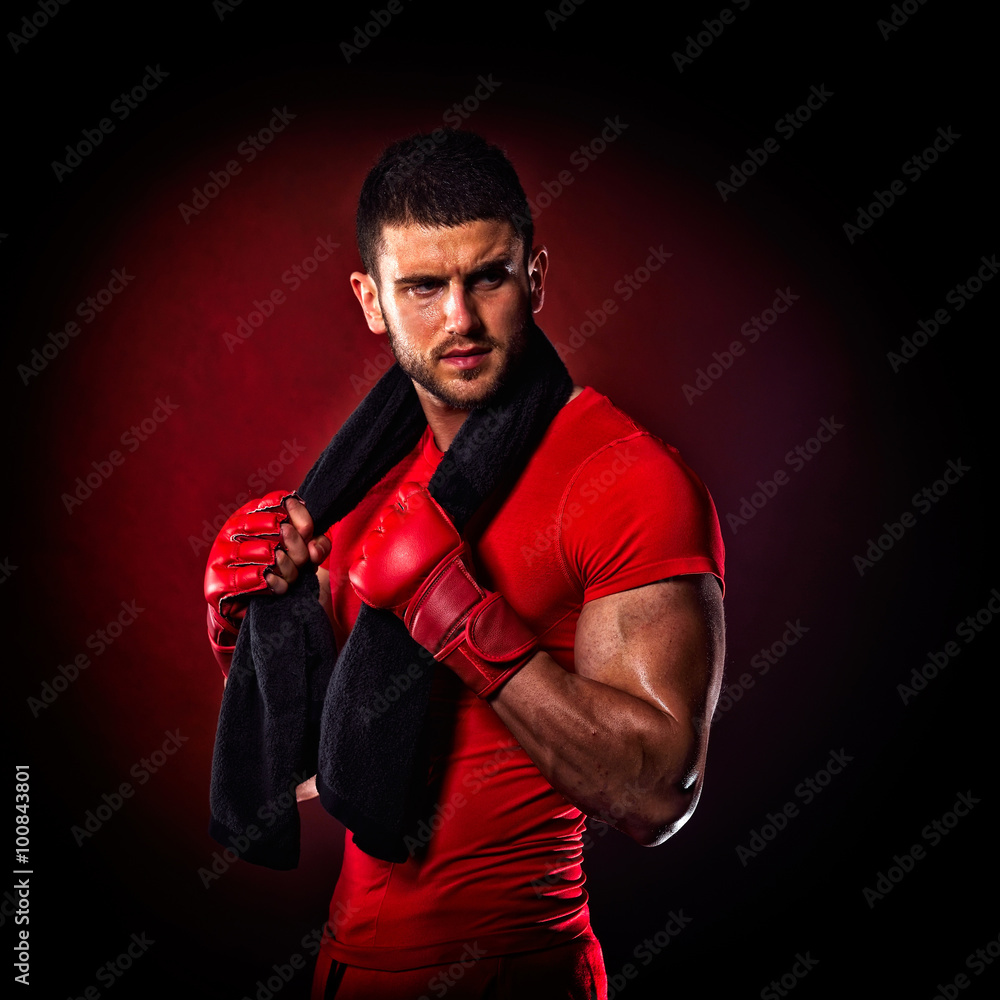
[(222, 638), (221, 631), (474, 632), (493, 646), (436, 613)]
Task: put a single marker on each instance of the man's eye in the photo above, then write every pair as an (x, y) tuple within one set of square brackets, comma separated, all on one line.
[(490, 279)]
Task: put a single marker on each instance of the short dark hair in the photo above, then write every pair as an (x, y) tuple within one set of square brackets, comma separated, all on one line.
[(442, 178)]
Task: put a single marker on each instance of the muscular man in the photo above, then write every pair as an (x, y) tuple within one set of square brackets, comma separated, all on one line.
[(601, 563)]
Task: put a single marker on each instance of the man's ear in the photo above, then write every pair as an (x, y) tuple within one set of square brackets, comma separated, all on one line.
[(366, 291), (538, 266)]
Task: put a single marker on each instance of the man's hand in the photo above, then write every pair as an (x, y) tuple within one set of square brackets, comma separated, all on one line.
[(415, 563), (261, 547), (307, 790)]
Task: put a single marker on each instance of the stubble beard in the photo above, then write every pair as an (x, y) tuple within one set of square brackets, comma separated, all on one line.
[(503, 364)]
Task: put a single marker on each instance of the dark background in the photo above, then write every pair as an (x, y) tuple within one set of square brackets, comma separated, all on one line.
[(233, 409)]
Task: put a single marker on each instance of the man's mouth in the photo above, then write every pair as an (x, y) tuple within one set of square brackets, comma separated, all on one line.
[(467, 357)]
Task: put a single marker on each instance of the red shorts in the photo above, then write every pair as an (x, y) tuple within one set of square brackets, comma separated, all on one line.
[(573, 971)]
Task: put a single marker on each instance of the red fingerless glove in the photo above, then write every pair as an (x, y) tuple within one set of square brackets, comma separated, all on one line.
[(415, 563), (245, 547)]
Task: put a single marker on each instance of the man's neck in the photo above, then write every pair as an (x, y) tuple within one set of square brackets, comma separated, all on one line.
[(445, 421)]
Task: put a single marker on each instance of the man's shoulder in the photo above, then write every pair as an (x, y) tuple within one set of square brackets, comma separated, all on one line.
[(630, 510), (590, 409), (602, 444), (592, 423)]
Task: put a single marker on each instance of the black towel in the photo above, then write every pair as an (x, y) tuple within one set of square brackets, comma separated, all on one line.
[(292, 707)]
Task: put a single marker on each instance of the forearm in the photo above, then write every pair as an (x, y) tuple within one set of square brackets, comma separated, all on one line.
[(614, 756)]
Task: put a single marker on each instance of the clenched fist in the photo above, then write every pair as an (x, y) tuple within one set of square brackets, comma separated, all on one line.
[(415, 564), (261, 547)]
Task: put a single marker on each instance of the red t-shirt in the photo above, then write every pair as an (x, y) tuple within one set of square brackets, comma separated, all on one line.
[(601, 507)]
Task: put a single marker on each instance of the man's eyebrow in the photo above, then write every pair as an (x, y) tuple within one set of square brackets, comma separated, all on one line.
[(502, 260), (415, 279)]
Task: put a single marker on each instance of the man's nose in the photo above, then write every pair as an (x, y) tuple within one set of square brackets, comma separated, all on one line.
[(459, 311)]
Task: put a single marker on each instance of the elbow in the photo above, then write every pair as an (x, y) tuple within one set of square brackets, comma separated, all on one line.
[(663, 795), (661, 829), (662, 816), (672, 794)]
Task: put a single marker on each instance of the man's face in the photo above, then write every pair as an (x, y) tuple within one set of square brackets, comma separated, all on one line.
[(456, 303)]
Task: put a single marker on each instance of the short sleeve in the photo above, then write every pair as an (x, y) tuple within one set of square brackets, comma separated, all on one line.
[(634, 513)]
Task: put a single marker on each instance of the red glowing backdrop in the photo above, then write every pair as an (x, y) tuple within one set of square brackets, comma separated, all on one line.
[(229, 348)]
